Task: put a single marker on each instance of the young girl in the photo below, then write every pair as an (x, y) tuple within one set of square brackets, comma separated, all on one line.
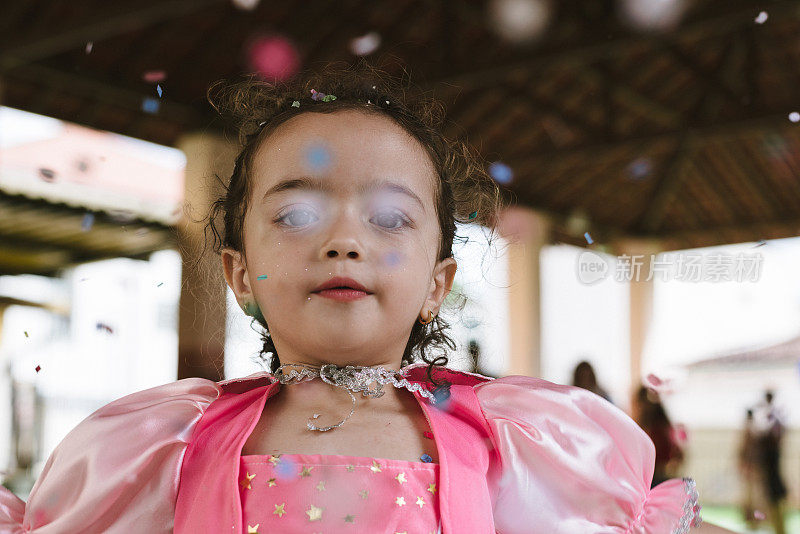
[(337, 231)]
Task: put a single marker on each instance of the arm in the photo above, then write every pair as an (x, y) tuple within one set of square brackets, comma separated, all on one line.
[(708, 528)]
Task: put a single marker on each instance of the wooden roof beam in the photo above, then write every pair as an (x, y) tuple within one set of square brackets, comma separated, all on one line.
[(101, 26)]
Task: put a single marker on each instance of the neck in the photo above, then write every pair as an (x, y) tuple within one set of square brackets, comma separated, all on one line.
[(317, 394)]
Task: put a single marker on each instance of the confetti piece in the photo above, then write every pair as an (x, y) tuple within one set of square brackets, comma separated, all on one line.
[(588, 238), (393, 258), (150, 105), (428, 434), (38, 368), (758, 514), (89, 47), (316, 95), (366, 44), (159, 90), (154, 76), (318, 157), (760, 244), (653, 381), (48, 175), (261, 277), (473, 215), (762, 17), (640, 168), (246, 5), (160, 284), (501, 172), (26, 333), (794, 116), (87, 222), (295, 104), (105, 328), (328, 98), (426, 458), (274, 57)]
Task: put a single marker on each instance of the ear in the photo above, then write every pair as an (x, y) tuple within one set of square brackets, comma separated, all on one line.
[(235, 269), (442, 282)]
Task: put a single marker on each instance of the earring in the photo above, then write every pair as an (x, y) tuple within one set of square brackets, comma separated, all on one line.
[(430, 318)]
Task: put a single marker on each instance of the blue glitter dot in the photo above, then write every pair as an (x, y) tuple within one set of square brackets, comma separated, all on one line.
[(150, 105), (501, 172), (426, 458), (318, 157), (393, 258), (286, 468)]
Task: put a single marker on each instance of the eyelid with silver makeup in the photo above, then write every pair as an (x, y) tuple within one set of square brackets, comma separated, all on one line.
[(406, 221)]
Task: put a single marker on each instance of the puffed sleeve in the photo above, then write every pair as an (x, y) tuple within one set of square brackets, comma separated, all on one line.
[(573, 463), (118, 470)]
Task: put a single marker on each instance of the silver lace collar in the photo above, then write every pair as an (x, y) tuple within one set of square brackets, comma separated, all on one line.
[(351, 378)]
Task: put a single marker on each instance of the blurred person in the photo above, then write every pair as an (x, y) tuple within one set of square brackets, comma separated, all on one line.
[(770, 430), (584, 377), (749, 458), (651, 416)]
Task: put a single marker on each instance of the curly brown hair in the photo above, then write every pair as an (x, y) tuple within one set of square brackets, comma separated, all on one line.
[(256, 108)]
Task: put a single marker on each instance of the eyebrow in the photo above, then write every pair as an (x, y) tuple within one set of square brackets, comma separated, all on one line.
[(326, 186)]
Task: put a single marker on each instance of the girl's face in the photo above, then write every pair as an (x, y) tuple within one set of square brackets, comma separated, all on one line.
[(346, 194)]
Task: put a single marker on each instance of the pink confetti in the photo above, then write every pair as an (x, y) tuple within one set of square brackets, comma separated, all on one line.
[(758, 514), (154, 76), (654, 381), (274, 57)]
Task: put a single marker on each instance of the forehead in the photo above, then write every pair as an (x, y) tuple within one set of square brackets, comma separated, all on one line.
[(361, 147)]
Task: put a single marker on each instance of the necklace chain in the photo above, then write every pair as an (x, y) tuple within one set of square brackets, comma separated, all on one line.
[(352, 378)]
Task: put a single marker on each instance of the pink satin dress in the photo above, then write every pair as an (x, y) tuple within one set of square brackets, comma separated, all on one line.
[(337, 494)]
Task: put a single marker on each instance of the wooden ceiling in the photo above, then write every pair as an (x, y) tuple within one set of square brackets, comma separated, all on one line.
[(683, 136)]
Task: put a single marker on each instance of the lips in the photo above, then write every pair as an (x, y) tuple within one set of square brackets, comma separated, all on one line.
[(342, 283)]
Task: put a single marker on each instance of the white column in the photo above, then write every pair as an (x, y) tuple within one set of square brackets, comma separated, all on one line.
[(527, 232)]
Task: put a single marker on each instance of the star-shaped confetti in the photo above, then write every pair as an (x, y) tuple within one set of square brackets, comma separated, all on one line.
[(296, 104), (252, 530), (306, 472), (245, 483), (375, 468), (321, 485), (274, 459), (432, 488), (401, 478), (350, 468), (420, 501), (400, 501), (364, 494), (314, 513), (349, 518), (271, 482), (279, 511)]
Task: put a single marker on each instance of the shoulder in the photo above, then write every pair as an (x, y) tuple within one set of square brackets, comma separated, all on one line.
[(131, 443), (572, 462)]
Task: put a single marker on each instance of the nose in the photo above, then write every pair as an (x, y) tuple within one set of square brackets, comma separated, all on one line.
[(332, 253), (343, 236)]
